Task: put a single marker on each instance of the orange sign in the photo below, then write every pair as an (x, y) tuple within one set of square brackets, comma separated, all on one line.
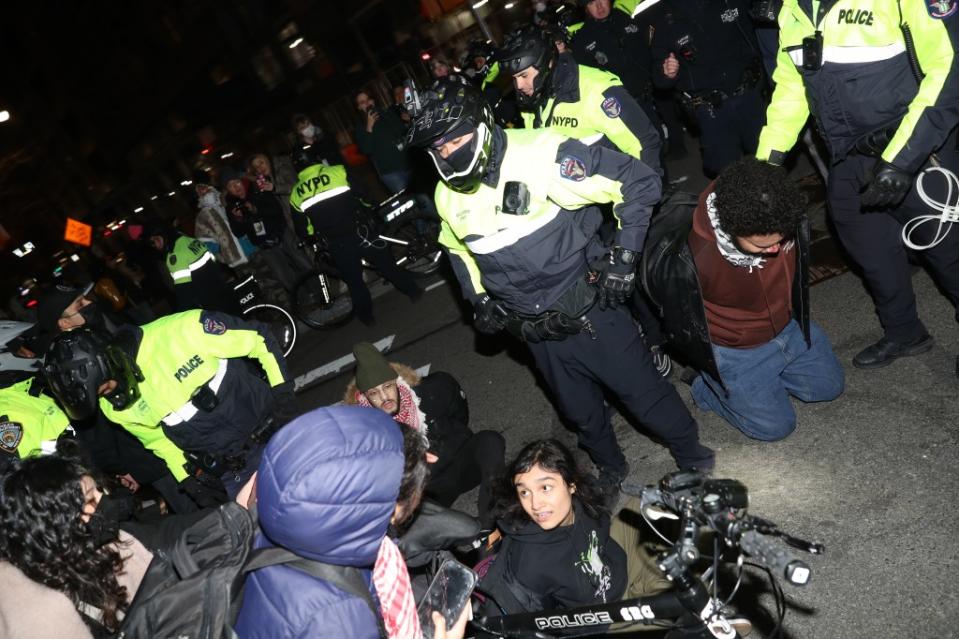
[(78, 232)]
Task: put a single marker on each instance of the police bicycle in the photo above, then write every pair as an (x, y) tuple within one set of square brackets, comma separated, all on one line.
[(253, 307), (321, 299), (693, 608)]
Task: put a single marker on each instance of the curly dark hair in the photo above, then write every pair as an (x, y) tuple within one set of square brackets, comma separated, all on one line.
[(552, 456), (41, 502), (757, 198)]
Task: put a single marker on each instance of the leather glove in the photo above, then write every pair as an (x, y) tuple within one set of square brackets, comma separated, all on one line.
[(489, 315), (617, 277), (284, 404), (205, 493), (887, 187)]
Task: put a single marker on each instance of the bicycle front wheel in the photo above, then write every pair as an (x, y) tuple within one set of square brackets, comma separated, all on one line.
[(413, 241), (322, 301), (280, 323)]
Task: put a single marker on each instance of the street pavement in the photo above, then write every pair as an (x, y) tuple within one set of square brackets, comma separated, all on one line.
[(870, 475)]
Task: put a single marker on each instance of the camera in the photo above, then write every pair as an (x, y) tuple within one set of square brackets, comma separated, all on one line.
[(812, 52), (686, 49), (515, 198)]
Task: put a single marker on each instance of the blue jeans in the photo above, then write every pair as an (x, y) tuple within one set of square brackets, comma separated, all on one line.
[(761, 379)]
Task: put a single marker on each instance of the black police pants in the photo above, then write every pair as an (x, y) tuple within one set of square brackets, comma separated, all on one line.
[(873, 239), (731, 131), (347, 253), (578, 368), (478, 463)]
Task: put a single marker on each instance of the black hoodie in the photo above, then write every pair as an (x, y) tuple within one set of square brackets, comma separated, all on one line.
[(565, 567)]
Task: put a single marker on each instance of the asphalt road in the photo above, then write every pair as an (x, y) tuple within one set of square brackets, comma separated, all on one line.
[(871, 475)]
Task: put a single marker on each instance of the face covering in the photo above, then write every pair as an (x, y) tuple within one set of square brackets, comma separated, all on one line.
[(308, 131), (92, 315), (460, 159), (104, 524), (210, 200)]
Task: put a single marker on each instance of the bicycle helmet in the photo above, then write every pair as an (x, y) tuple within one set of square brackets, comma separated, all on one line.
[(78, 362), (525, 48), (450, 110), (305, 156)]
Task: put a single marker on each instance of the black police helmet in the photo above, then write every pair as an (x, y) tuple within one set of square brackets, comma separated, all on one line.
[(305, 156), (78, 362), (451, 110), (525, 48)]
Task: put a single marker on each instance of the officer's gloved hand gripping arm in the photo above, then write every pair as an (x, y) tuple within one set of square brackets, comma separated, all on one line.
[(595, 175), (489, 314)]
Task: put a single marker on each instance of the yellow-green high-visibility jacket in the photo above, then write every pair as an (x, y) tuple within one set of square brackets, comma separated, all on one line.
[(323, 201), (29, 425), (866, 83), (529, 260), (188, 256), (179, 353), (589, 104)]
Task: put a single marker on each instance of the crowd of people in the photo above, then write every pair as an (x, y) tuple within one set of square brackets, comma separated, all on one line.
[(123, 444)]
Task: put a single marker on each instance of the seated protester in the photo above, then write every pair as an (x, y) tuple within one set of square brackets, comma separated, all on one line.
[(559, 547), (258, 216), (435, 405), (199, 280), (748, 299), (64, 573), (331, 485)]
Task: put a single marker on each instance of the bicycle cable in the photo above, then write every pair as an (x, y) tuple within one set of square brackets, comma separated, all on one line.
[(947, 213), (363, 232)]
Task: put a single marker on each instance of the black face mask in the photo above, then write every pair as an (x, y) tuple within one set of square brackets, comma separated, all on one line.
[(104, 524), (460, 159), (92, 315)]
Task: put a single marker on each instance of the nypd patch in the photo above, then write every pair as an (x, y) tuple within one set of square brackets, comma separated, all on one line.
[(11, 433), (612, 108), (941, 9), (572, 168), (213, 326)]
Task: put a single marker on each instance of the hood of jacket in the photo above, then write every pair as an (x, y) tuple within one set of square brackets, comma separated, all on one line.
[(402, 370), (328, 482)]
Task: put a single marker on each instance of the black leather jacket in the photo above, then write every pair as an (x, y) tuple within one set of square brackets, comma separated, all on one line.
[(669, 276)]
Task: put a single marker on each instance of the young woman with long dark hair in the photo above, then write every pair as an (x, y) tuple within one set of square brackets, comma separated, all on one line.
[(560, 547)]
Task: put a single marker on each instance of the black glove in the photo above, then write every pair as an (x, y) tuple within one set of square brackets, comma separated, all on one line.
[(887, 187), (776, 158), (204, 491), (617, 277), (489, 315), (284, 404), (553, 325)]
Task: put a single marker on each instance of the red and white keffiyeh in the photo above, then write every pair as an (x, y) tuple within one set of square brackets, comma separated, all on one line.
[(409, 412), (392, 583)]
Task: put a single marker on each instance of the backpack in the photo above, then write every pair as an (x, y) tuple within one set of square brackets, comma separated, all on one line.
[(195, 591)]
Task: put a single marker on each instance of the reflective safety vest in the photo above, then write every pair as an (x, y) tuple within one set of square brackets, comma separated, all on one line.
[(865, 82), (315, 184), (178, 354), (593, 115), (29, 425), (188, 255)]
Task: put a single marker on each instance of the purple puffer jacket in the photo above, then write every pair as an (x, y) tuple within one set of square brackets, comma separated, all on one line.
[(326, 490)]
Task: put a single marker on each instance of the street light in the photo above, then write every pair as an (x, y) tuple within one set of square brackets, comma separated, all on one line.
[(4, 115)]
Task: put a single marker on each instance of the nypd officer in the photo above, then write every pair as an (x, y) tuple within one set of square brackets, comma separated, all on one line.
[(707, 51), (882, 82), (324, 204), (576, 100), (177, 385), (506, 199)]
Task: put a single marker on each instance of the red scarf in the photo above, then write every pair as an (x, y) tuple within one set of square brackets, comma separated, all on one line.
[(409, 412), (392, 583)]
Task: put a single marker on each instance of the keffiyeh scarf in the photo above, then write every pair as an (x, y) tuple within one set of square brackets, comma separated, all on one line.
[(724, 241), (409, 412)]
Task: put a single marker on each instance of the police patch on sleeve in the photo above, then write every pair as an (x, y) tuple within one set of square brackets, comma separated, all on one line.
[(940, 9), (612, 108), (572, 168), (212, 326), (11, 433)]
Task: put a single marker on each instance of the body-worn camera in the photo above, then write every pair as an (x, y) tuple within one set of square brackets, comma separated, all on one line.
[(515, 198), (685, 48), (812, 52)]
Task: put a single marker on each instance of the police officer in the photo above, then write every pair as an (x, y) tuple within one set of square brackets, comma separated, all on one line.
[(325, 205), (576, 100), (198, 279), (707, 51), (885, 103), (506, 199), (177, 386), (612, 41)]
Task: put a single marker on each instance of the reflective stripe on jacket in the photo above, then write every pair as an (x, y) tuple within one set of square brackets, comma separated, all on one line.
[(188, 255), (40, 419)]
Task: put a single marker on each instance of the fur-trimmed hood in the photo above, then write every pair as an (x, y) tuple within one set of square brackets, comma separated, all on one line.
[(402, 370)]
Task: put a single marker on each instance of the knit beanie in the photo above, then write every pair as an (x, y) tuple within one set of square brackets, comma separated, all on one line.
[(372, 369)]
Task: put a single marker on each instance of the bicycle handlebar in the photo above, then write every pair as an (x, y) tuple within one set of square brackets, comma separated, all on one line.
[(779, 560)]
